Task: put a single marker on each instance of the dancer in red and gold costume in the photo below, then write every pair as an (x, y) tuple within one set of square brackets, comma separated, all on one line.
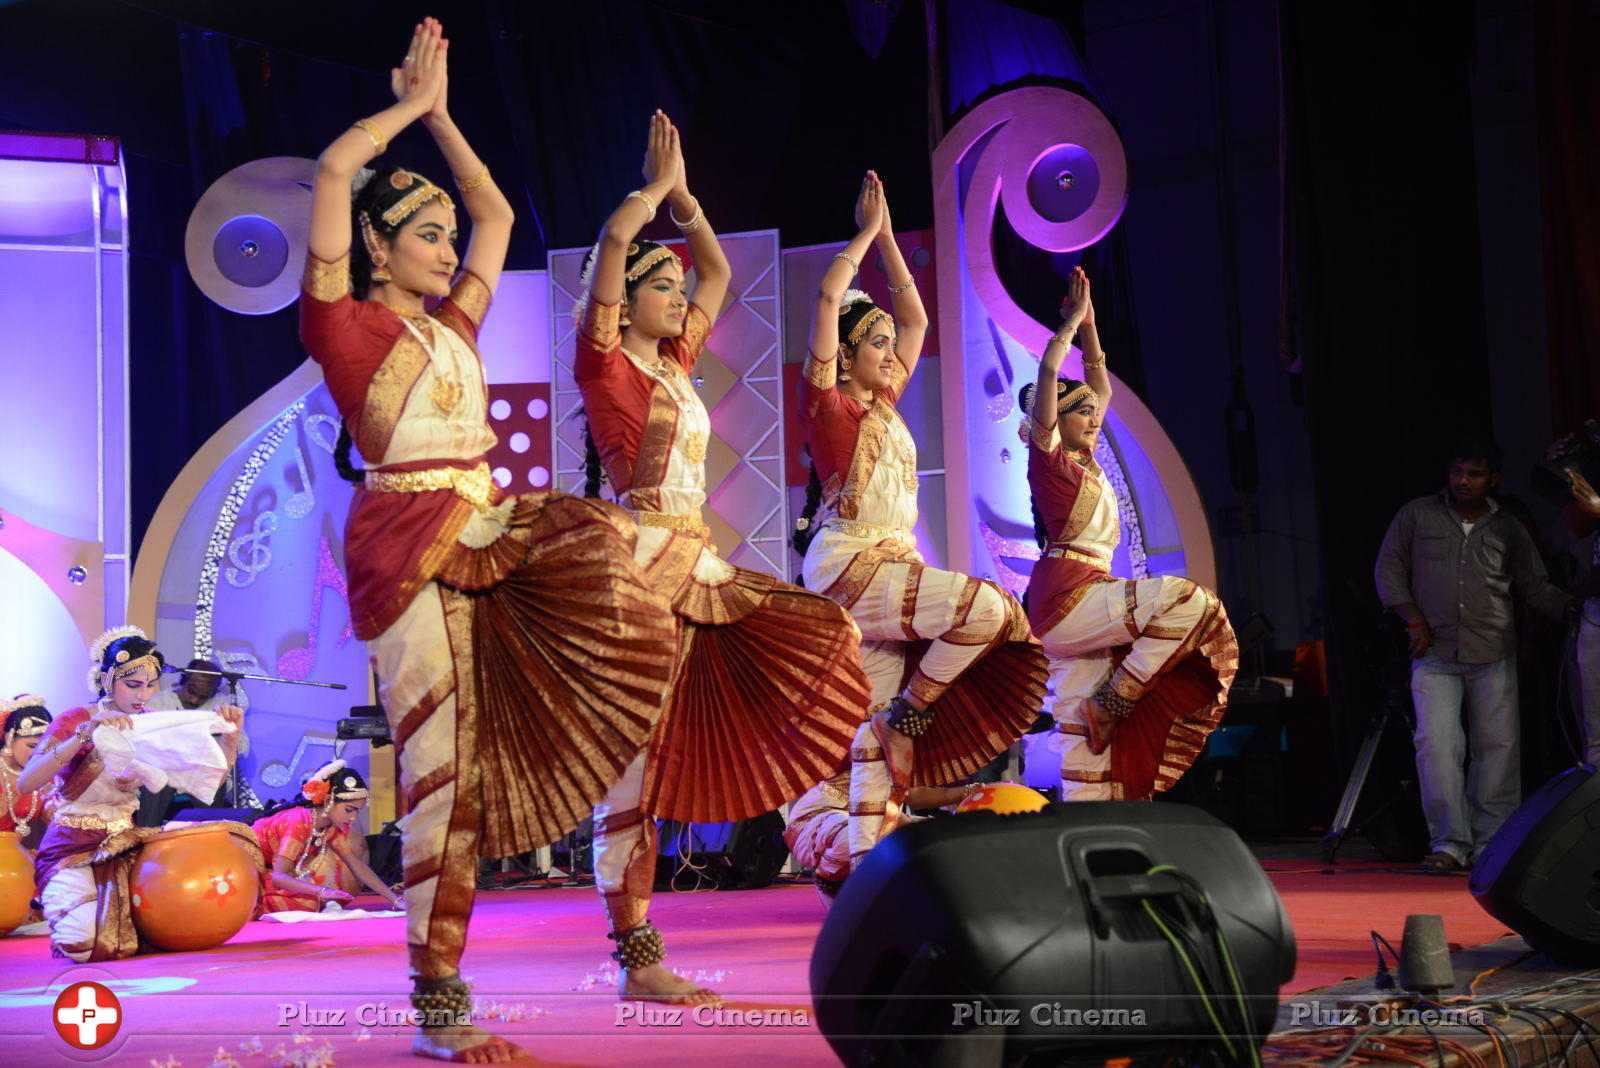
[(818, 829), (523, 657), (976, 676), (308, 846), (769, 686), (91, 846), (1148, 660), (25, 812)]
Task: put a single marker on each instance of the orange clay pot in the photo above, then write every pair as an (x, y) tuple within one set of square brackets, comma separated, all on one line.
[(193, 888), (16, 882)]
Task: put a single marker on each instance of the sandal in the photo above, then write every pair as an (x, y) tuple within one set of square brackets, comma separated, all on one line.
[(1443, 862)]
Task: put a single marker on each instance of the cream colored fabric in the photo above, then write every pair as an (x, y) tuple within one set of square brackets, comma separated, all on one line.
[(164, 749), (69, 902), (683, 489), (425, 433), (412, 658), (1080, 649)]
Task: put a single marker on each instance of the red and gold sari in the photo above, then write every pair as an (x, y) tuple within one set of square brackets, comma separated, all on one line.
[(1164, 642), (318, 859), (522, 656)]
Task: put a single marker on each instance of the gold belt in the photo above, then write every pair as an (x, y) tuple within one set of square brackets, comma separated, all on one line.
[(866, 530), (476, 486), (669, 521), (1058, 552), (86, 822)]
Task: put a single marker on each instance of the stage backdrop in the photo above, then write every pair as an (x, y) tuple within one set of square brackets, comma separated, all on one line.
[(244, 561), (64, 434), (1026, 179)]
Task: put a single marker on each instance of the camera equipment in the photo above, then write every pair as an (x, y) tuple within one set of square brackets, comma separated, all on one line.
[(1578, 452)]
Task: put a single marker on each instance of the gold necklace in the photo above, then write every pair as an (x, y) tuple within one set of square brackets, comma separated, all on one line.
[(8, 787), (446, 391), (418, 318)]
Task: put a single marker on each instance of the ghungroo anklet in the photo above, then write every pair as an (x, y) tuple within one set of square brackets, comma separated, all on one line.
[(908, 719), (827, 887), (443, 1002), (639, 947), (1113, 702)]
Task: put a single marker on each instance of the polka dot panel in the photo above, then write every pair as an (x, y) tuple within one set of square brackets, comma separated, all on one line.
[(522, 460)]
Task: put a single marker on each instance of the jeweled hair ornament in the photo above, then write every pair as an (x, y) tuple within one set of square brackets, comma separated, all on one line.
[(97, 656), (852, 299)]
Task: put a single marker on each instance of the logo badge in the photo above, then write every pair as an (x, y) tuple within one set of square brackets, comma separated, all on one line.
[(87, 1015)]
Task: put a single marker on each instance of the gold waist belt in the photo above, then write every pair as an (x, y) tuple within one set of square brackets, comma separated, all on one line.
[(668, 521), (1058, 552), (85, 822), (476, 486), (866, 530)]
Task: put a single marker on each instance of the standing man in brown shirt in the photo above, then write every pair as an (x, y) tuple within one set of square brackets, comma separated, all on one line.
[(1451, 565)]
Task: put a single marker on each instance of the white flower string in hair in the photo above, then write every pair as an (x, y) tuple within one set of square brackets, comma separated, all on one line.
[(852, 296), (97, 652), (584, 282), (26, 700), (359, 182)]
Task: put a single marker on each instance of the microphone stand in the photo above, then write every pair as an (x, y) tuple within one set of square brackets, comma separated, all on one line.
[(233, 678)]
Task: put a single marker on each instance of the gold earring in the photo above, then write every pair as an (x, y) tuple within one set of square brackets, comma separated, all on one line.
[(380, 269), (844, 369), (622, 317)]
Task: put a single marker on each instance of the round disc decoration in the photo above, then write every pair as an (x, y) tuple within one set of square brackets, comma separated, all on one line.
[(246, 239)]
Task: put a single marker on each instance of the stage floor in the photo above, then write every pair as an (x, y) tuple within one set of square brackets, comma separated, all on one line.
[(539, 959)]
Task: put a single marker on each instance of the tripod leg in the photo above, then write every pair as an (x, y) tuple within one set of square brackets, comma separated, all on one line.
[(1352, 789)]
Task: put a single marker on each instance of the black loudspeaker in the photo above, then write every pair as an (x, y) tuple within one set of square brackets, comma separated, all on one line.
[(743, 855), (982, 939), (1540, 873)]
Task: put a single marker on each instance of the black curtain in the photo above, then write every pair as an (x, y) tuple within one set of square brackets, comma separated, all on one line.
[(1387, 286)]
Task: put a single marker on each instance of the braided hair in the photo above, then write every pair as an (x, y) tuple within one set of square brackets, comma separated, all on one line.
[(805, 530)]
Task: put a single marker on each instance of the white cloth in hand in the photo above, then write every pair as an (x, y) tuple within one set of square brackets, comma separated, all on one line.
[(164, 749)]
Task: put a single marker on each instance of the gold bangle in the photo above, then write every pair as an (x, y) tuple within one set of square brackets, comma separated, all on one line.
[(649, 202), (476, 181), (847, 259), (692, 223), (374, 132), (1065, 339), (902, 289), (1096, 363)]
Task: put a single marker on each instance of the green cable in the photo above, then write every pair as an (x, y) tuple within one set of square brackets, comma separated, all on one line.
[(1194, 976), (1227, 960)]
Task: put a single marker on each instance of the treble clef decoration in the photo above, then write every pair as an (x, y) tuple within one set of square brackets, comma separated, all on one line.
[(259, 558)]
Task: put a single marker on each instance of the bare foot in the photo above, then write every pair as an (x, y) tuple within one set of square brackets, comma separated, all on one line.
[(657, 982), (898, 751), (1102, 725), (466, 1045)]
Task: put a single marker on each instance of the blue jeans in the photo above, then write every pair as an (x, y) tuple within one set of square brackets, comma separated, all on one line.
[(1466, 805)]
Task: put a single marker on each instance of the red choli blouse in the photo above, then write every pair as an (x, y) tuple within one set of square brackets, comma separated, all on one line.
[(617, 396)]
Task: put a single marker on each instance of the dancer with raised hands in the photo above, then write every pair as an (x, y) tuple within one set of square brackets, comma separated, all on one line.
[(1141, 668), (956, 675), (521, 653), (769, 688)]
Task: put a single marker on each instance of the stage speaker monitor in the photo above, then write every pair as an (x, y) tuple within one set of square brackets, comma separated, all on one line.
[(1025, 939), (1540, 873)]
